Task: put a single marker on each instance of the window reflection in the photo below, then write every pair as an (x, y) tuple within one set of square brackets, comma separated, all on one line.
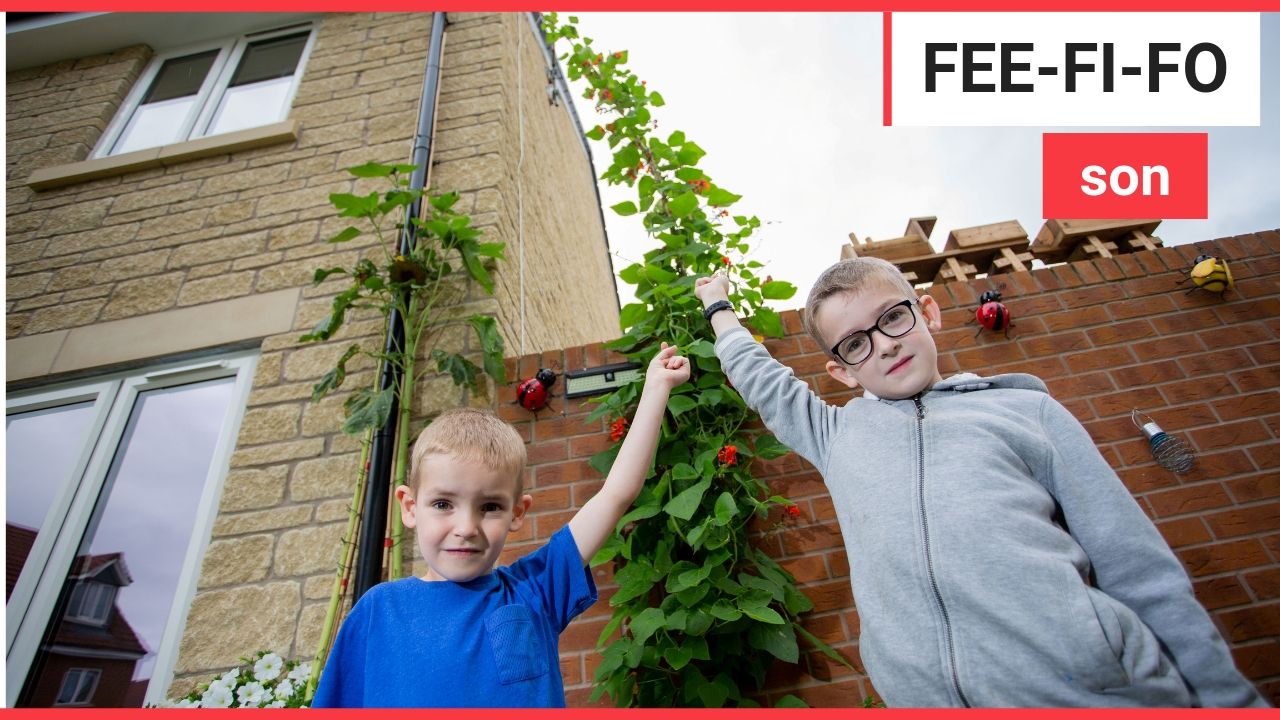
[(123, 580), (41, 448)]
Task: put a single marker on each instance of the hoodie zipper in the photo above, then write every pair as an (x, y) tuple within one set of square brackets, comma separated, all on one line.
[(928, 556)]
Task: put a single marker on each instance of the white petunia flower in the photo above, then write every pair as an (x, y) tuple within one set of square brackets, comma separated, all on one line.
[(284, 689), (251, 694), (275, 704), (301, 672), (268, 667), (217, 696), (187, 703)]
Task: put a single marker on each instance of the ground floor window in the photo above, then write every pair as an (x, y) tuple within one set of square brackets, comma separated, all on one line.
[(112, 487)]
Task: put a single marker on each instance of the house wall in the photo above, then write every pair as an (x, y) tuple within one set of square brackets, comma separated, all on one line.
[(219, 251), (1107, 336)]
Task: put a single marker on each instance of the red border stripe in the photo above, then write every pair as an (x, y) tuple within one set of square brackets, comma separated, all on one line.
[(888, 69)]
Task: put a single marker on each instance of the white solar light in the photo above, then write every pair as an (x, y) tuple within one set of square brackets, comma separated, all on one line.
[(593, 381)]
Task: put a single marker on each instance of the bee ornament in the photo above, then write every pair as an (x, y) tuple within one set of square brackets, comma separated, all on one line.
[(1210, 274)]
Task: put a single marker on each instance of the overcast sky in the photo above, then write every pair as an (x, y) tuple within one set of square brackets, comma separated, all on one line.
[(788, 108)]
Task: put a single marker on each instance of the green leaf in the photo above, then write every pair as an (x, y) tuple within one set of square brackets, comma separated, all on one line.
[(777, 290), (368, 410), (701, 348), (676, 138), (475, 268), (719, 197), (347, 234), (632, 274), (595, 133), (322, 273), (726, 508), (768, 322), (644, 625), (332, 380), (683, 506), (690, 154), (625, 208), (371, 170), (822, 647), (790, 701), (768, 447), (764, 615), (683, 204), (777, 640), (658, 274), (632, 314), (677, 657), (640, 513), (656, 100), (725, 610), (681, 403), (602, 462), (462, 370), (486, 327)]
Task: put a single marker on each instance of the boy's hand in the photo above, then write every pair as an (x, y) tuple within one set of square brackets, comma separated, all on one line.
[(712, 288), (667, 369)]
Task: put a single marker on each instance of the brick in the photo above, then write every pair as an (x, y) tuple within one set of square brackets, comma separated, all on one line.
[(1094, 315), (1223, 557), (1055, 344), (1258, 661), (1257, 487), (1266, 456), (1147, 374), (1125, 332), (1216, 362), (1145, 307), (1188, 499), (1252, 623), (1101, 359), (1122, 403), (1184, 321), (1202, 388), (1257, 379), (566, 472), (1220, 593), (1184, 531), (1167, 347), (1265, 584), (1245, 521), (1232, 434), (1094, 295)]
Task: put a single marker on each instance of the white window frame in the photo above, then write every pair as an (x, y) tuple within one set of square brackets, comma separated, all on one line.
[(196, 123), (43, 575), (92, 675)]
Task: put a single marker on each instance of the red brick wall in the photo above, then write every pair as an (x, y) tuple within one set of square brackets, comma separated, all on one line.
[(1107, 336)]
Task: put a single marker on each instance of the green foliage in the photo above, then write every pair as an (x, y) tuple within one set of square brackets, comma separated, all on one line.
[(447, 248), (700, 614)]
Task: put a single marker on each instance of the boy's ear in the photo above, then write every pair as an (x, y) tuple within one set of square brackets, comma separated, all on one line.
[(841, 374), (408, 505), (932, 313), (521, 508)]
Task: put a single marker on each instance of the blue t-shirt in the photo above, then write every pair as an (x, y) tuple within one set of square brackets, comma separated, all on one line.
[(489, 642)]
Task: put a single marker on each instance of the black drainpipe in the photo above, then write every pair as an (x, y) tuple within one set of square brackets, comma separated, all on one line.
[(373, 522)]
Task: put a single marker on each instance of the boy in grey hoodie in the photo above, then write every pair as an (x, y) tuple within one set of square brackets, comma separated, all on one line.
[(996, 559)]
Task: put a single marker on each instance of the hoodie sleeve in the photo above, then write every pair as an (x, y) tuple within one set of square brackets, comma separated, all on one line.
[(800, 419), (1134, 565)]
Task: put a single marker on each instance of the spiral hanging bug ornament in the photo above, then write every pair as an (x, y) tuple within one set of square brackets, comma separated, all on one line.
[(1172, 453)]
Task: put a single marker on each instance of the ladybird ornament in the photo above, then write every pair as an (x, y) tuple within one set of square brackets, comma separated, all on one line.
[(992, 314), (1211, 274), (533, 393)]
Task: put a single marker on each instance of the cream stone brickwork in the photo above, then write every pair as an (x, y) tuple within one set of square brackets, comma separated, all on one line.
[(217, 244)]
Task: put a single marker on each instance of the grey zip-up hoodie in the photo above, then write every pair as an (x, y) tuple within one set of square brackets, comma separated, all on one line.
[(969, 588)]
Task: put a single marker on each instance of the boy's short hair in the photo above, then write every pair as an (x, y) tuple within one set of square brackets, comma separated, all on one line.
[(474, 436), (852, 275)]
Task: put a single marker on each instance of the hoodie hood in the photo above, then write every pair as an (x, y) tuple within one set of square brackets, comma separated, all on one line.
[(969, 382)]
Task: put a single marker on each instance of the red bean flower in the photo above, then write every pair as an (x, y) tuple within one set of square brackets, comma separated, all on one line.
[(618, 429), (724, 260), (728, 455), (793, 511)]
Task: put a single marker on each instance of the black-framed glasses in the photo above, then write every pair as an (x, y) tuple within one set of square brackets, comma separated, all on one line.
[(896, 321)]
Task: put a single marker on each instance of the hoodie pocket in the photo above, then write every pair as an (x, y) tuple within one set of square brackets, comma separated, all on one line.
[(1105, 636), (517, 644)]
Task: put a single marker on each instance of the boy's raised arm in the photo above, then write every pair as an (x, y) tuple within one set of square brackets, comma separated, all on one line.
[(592, 524)]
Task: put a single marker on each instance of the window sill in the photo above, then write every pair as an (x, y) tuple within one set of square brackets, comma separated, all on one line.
[(86, 170)]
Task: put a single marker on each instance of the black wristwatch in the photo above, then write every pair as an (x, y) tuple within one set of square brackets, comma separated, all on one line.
[(716, 307)]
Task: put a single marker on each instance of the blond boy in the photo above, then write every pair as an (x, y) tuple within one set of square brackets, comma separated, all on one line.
[(996, 559), (467, 634)]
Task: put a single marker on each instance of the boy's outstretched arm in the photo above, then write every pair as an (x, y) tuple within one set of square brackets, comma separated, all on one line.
[(713, 289), (593, 524)]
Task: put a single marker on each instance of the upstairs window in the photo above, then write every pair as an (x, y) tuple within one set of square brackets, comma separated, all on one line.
[(243, 82), (91, 603)]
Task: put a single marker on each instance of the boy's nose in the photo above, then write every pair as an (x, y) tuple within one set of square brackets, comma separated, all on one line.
[(466, 525)]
